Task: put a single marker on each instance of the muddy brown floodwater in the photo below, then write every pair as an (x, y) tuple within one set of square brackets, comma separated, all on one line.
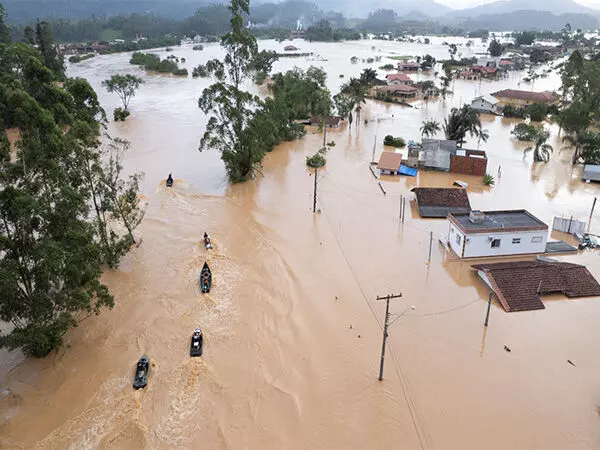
[(292, 328)]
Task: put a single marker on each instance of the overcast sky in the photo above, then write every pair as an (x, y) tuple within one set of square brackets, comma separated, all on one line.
[(471, 3)]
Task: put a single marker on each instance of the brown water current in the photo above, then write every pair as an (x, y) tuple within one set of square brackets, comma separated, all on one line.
[(292, 328)]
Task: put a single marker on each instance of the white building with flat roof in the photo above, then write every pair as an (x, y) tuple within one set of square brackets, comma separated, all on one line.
[(496, 233)]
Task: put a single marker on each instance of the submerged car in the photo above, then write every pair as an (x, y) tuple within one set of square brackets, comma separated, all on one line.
[(142, 370)]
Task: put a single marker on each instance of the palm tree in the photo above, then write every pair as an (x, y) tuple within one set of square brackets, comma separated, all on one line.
[(357, 92), (483, 135), (446, 80), (462, 121), (541, 150), (430, 128)]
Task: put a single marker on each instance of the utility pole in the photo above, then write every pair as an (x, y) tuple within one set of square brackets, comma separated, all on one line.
[(387, 299), (315, 192), (487, 314)]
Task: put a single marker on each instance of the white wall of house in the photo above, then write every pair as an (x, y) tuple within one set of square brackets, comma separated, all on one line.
[(496, 243), (480, 104)]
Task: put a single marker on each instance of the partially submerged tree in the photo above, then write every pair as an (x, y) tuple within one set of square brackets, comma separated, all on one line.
[(357, 92), (495, 48), (125, 86), (461, 122), (541, 149)]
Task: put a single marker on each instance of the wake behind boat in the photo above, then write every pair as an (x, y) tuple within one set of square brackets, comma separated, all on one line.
[(205, 279)]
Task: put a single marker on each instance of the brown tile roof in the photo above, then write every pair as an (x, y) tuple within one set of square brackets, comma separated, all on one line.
[(519, 285), (390, 161), (398, 77), (398, 88), (538, 97), (439, 202)]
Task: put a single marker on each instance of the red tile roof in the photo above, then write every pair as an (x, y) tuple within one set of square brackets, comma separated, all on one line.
[(519, 285), (538, 97), (398, 77), (484, 69), (506, 62)]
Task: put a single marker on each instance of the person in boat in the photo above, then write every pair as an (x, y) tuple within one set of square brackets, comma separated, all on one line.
[(169, 180)]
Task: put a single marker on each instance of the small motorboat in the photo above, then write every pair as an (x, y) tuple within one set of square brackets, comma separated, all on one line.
[(169, 181), (207, 241), (142, 370), (196, 345), (205, 279)]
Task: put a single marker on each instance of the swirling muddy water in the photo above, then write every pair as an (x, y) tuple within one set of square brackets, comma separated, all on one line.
[(292, 328)]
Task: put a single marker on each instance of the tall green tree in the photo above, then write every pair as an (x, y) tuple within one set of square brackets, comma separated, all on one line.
[(125, 86), (49, 50), (230, 107), (4, 30), (51, 255), (368, 76), (461, 122), (357, 91), (495, 48)]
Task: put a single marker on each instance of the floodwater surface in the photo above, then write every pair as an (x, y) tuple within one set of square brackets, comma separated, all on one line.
[(292, 326)]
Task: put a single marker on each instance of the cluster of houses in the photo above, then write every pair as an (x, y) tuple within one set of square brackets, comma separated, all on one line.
[(486, 234), (402, 86)]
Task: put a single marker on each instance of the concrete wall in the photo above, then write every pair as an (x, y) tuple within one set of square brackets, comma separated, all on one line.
[(480, 245)]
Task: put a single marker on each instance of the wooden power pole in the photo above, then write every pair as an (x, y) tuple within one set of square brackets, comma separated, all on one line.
[(387, 299), (315, 193)]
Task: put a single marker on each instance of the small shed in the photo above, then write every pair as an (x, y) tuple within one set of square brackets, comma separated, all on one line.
[(485, 104), (591, 172), (389, 163), (439, 202), (469, 162)]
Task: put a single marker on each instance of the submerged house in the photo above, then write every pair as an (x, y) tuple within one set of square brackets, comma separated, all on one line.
[(485, 104), (519, 285), (395, 79), (402, 91), (468, 75), (390, 162), (409, 66), (496, 233), (439, 202), (330, 122), (435, 154), (523, 98), (469, 162)]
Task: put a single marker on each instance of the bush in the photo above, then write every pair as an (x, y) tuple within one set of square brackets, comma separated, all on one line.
[(387, 67), (78, 58), (181, 72), (120, 114), (525, 132), (153, 62), (394, 141), (200, 71), (514, 112), (198, 47), (488, 180), (537, 112), (317, 160)]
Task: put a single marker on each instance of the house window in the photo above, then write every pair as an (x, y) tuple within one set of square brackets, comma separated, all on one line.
[(516, 240), (495, 243), (537, 239), (458, 239)]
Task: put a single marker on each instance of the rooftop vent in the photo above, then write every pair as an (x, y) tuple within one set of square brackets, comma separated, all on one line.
[(476, 216)]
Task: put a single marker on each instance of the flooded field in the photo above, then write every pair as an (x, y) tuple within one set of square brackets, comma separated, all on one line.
[(292, 327)]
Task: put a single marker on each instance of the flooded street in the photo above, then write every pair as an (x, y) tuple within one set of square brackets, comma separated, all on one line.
[(292, 327)]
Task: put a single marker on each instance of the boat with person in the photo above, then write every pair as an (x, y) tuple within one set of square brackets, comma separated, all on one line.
[(197, 342), (205, 279), (207, 241), (142, 371), (169, 181)]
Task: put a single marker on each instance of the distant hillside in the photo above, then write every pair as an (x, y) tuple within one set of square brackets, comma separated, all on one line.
[(506, 6), (527, 20), (361, 8)]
